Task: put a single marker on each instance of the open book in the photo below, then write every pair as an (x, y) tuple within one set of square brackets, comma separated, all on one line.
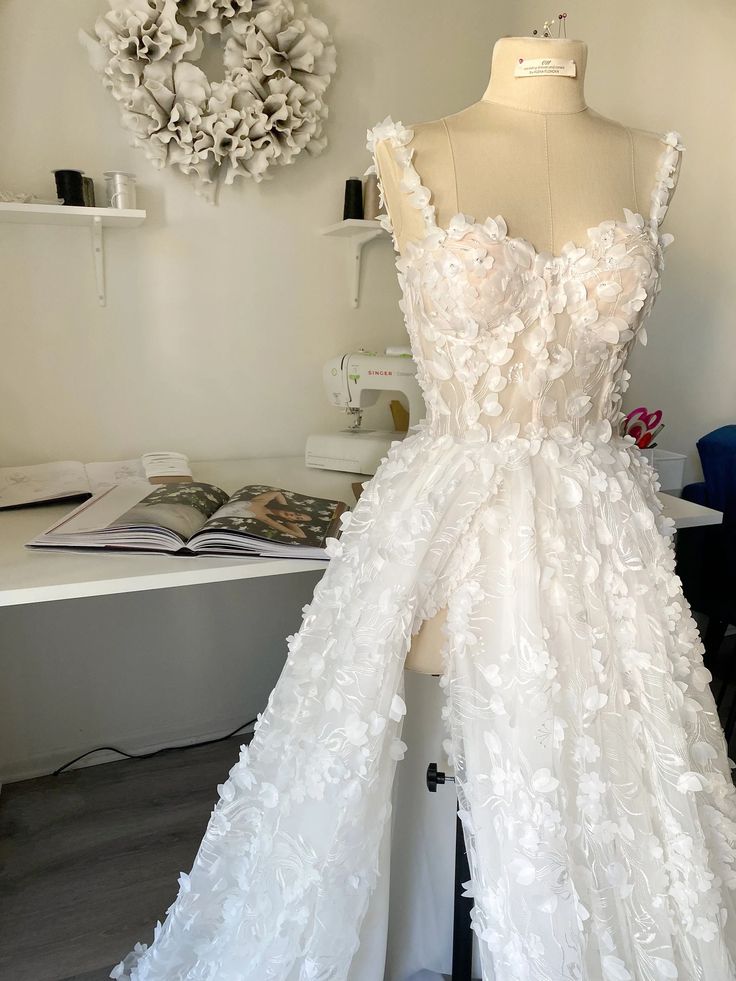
[(46, 482), (197, 518)]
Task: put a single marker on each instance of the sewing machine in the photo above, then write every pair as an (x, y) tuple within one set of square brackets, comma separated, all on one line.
[(354, 382)]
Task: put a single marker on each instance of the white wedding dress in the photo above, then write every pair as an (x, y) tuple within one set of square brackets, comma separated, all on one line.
[(594, 783)]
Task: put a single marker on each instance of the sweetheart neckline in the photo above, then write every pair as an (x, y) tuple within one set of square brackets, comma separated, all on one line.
[(421, 197), (657, 238)]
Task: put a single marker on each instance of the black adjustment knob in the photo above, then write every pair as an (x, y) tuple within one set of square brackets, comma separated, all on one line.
[(434, 778)]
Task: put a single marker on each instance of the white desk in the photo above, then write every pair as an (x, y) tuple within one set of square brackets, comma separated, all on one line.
[(35, 576), (685, 514), (129, 661), (30, 576)]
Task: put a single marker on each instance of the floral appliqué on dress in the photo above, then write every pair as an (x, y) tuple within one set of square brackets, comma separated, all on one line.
[(593, 777)]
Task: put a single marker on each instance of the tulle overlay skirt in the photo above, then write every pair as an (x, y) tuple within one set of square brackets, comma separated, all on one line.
[(593, 778)]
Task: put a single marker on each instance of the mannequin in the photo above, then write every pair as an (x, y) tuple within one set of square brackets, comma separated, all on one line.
[(526, 151)]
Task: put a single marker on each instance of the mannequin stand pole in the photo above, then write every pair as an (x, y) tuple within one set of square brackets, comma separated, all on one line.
[(462, 934)]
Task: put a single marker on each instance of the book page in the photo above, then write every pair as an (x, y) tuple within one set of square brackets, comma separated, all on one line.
[(100, 511), (181, 508), (69, 478), (42, 482), (163, 466), (276, 515), (104, 475)]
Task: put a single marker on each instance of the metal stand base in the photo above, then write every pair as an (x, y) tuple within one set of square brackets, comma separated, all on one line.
[(462, 934)]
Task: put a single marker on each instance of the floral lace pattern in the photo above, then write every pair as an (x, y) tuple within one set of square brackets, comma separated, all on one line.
[(593, 779), (510, 340)]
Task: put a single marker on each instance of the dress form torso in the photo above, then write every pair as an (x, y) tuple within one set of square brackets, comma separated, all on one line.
[(533, 151)]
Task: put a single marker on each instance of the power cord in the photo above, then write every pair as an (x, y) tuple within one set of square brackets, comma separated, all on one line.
[(158, 752)]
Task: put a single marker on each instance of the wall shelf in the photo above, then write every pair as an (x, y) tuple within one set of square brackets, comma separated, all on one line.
[(93, 218), (358, 231)]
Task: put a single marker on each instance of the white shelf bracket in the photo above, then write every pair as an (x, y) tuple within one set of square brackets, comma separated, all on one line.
[(93, 218), (98, 253), (359, 231), (357, 262), (359, 244)]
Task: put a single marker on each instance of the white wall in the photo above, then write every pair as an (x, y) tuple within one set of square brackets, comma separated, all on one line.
[(218, 318)]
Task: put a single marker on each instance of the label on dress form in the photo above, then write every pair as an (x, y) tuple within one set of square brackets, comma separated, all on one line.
[(545, 66)]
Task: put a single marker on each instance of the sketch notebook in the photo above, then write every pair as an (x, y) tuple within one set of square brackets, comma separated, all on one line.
[(195, 518), (42, 483)]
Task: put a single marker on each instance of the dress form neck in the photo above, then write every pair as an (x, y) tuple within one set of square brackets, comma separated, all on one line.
[(543, 93)]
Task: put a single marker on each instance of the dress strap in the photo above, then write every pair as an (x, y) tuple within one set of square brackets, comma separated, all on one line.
[(664, 182), (399, 137)]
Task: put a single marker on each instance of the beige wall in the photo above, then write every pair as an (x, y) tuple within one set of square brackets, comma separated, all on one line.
[(218, 319)]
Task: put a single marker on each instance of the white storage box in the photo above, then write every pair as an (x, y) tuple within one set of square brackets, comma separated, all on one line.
[(670, 467)]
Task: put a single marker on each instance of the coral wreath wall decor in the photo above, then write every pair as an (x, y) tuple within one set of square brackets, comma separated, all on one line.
[(278, 62)]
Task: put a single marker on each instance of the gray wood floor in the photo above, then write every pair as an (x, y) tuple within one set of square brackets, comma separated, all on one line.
[(89, 860)]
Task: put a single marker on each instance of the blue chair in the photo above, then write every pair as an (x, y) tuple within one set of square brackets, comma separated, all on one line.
[(706, 557)]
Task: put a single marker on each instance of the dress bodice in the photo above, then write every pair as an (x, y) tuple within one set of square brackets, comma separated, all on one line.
[(512, 342)]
